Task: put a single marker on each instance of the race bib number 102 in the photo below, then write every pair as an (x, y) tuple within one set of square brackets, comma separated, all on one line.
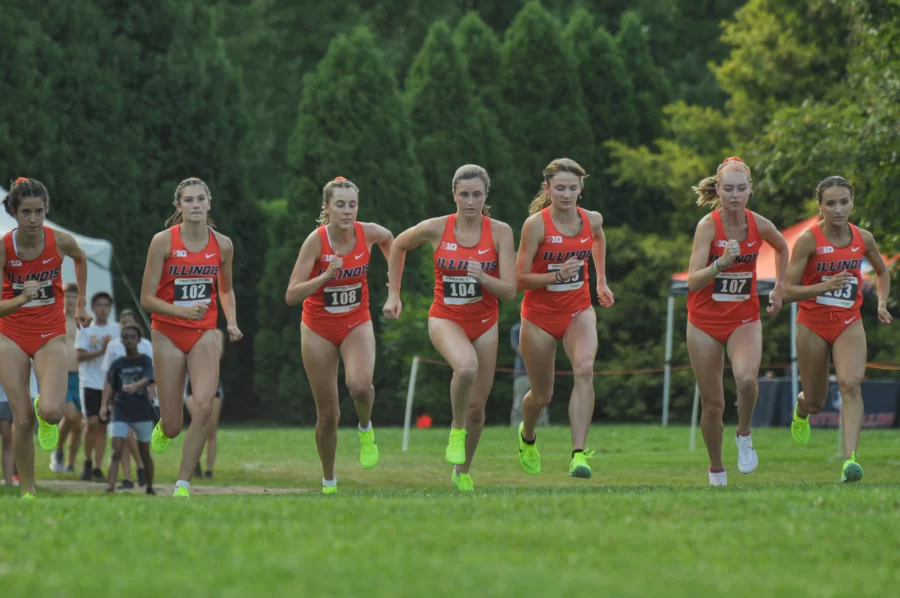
[(193, 291)]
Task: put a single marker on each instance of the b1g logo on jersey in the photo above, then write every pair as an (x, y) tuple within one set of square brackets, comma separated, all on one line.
[(449, 246), (824, 250), (553, 239), (721, 243), (14, 263), (327, 258), (179, 253)]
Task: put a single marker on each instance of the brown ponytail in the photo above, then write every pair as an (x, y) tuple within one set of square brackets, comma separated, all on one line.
[(542, 199), (22, 188), (177, 217)]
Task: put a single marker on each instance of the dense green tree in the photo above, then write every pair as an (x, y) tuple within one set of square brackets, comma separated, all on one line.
[(546, 117), (650, 85), (352, 123)]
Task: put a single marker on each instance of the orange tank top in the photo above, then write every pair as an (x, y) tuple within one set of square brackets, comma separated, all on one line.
[(458, 296), (731, 296), (46, 312), (571, 295), (348, 289), (828, 261), (190, 278)]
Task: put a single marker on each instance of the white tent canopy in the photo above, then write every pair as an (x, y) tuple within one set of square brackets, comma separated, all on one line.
[(98, 251)]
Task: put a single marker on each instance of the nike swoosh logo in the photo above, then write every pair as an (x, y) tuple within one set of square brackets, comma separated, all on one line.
[(354, 324), (745, 321), (356, 257), (209, 255), (483, 251), (854, 249), (486, 321), (577, 312), (586, 239), (48, 261), (46, 335), (751, 244), (850, 320)]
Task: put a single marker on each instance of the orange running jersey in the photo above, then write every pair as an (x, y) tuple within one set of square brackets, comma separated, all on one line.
[(190, 279), (731, 296), (458, 296), (46, 312), (571, 295), (348, 289), (828, 261)]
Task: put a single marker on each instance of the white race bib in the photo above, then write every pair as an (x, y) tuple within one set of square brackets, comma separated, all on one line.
[(461, 290), (732, 286), (342, 299), (193, 291), (44, 295), (569, 284), (845, 297)]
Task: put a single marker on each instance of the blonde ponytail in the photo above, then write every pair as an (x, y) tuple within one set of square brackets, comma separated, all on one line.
[(328, 190), (707, 195)]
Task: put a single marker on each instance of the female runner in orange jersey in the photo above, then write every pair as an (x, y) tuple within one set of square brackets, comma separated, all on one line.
[(558, 239), (188, 268), (33, 321), (330, 279), (473, 268), (824, 276), (723, 307)]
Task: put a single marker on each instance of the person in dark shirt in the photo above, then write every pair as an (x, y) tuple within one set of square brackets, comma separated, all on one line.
[(127, 385)]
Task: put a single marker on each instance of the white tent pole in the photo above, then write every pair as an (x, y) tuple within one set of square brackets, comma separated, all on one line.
[(410, 392), (667, 377), (694, 415), (795, 384)]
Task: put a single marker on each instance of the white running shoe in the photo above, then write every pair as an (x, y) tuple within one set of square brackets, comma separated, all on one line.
[(56, 466), (747, 459), (719, 479)]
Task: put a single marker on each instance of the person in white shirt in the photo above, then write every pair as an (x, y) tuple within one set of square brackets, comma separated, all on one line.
[(114, 350), (92, 343)]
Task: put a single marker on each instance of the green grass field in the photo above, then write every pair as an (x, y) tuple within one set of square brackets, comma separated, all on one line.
[(644, 525)]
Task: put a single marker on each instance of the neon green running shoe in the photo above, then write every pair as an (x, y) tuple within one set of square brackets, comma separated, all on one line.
[(368, 450), (462, 481), (456, 448), (48, 434), (159, 442), (529, 457), (578, 467), (800, 427), (852, 471), (181, 493), (329, 489), (28, 496)]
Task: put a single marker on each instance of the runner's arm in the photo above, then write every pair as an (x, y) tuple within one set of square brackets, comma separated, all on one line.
[(793, 290), (504, 287), (156, 257), (301, 285), (225, 280), (699, 273), (378, 235), (532, 231), (427, 231)]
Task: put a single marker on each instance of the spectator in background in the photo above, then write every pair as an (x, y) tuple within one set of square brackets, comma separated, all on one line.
[(92, 343), (71, 426), (114, 350), (520, 383)]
